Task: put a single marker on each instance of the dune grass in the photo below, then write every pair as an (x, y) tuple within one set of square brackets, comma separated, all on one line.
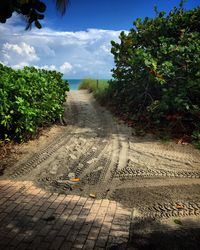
[(93, 85), (98, 88)]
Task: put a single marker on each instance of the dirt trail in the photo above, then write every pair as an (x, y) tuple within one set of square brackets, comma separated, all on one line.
[(159, 180)]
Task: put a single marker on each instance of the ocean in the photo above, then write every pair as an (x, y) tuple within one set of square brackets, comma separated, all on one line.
[(73, 83)]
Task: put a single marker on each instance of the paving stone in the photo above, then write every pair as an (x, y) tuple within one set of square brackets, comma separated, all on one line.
[(48, 213), (72, 235), (82, 201), (59, 224), (5, 242), (72, 204), (64, 230), (93, 234), (45, 230), (44, 246), (84, 211), (116, 241), (123, 222), (89, 245), (77, 210), (36, 243), (33, 210), (79, 241), (98, 221), (105, 229), (66, 245), (102, 240), (118, 227), (51, 235), (22, 246), (85, 229), (108, 218), (122, 234), (60, 209), (57, 243), (32, 218), (45, 206), (105, 203)]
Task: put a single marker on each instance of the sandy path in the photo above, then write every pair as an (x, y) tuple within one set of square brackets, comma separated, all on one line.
[(111, 162)]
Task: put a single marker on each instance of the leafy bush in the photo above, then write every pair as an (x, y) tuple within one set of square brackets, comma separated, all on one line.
[(29, 98), (157, 73)]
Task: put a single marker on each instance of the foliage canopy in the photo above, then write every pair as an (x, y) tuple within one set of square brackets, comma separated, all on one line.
[(157, 73), (32, 10)]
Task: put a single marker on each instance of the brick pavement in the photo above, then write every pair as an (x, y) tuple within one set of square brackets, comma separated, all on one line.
[(32, 218)]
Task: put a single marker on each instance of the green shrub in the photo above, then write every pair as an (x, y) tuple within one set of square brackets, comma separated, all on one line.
[(196, 139), (29, 98), (157, 74)]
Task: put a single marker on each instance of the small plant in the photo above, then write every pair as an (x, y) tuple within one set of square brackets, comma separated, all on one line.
[(196, 139)]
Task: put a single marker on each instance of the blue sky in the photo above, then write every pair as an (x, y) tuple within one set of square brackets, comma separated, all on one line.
[(77, 44), (108, 14)]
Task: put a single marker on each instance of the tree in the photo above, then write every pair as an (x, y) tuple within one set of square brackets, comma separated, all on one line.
[(32, 10), (156, 79)]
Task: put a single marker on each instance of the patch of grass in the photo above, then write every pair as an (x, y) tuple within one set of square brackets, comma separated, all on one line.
[(89, 84), (98, 88), (93, 85)]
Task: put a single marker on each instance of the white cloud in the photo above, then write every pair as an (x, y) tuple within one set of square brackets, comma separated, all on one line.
[(17, 55), (76, 54), (22, 49), (20, 65), (106, 48), (66, 68), (48, 67)]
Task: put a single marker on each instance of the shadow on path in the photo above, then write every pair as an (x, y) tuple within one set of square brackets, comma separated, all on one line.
[(149, 234)]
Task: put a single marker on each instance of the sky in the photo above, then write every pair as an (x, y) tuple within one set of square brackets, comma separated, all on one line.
[(77, 44)]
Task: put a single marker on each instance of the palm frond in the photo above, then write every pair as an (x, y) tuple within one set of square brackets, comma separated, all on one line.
[(61, 5)]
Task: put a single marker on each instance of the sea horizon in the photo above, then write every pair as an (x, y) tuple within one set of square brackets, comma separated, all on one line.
[(74, 83)]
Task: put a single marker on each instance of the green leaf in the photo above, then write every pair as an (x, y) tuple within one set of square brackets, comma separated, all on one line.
[(178, 222)]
